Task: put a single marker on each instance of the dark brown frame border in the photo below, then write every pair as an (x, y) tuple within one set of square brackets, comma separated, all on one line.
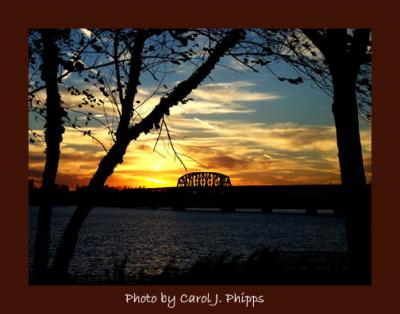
[(18, 17)]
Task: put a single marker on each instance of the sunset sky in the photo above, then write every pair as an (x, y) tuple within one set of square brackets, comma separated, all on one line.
[(249, 126)]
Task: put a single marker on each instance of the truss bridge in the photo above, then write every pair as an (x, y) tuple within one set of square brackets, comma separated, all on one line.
[(204, 179)]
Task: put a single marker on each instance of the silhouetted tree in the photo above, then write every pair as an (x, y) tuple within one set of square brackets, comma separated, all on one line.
[(53, 137), (60, 56), (341, 67), (126, 133), (344, 54), (79, 54)]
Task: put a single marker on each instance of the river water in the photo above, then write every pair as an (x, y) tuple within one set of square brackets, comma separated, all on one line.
[(153, 238)]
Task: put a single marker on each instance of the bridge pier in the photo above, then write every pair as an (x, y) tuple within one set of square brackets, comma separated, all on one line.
[(311, 211), (227, 209), (338, 212), (267, 210), (179, 208)]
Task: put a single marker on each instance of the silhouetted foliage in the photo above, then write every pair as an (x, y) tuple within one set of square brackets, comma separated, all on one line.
[(266, 47)]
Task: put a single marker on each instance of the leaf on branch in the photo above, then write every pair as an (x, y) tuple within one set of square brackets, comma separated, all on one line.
[(291, 81), (295, 81), (97, 48), (79, 66), (262, 62), (318, 71), (184, 101), (364, 82), (266, 50)]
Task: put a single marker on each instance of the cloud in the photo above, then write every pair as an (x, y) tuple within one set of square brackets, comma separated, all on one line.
[(231, 92), (204, 123), (86, 32), (79, 158), (250, 153), (270, 137), (223, 98), (209, 108), (36, 157), (70, 179), (238, 66), (88, 149), (223, 161)]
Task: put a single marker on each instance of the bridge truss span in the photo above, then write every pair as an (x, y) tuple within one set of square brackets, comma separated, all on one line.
[(204, 179)]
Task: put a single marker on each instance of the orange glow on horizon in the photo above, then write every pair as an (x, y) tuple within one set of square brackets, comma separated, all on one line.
[(284, 154)]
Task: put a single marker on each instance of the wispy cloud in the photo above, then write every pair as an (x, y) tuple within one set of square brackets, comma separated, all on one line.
[(209, 108), (231, 92), (251, 153), (204, 123), (223, 98)]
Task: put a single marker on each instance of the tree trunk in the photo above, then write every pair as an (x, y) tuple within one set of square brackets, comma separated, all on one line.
[(53, 137), (69, 239), (344, 64), (356, 196), (345, 113)]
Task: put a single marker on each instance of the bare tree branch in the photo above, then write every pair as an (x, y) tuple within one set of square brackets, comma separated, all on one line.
[(184, 88)]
